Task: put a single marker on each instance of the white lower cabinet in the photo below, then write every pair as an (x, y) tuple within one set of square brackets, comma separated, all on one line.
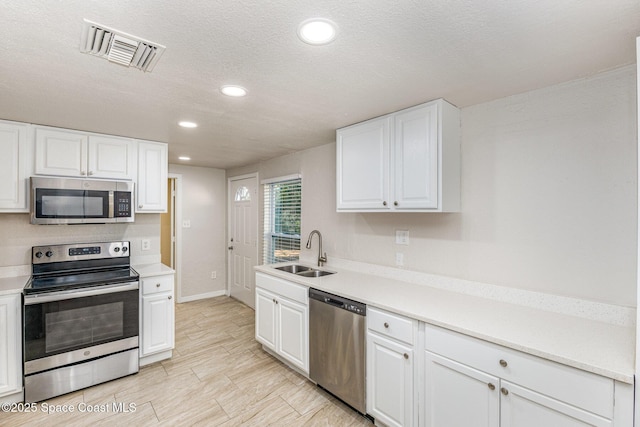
[(457, 395), (157, 329), (472, 382), (391, 367), (282, 319), (10, 347)]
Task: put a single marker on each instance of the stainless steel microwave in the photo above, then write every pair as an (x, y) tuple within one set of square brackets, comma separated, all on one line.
[(80, 201)]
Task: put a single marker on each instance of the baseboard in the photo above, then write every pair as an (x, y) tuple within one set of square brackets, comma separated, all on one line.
[(202, 296)]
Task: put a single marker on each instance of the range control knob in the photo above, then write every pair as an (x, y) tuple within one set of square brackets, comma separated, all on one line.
[(116, 249), (49, 254), (38, 254), (125, 249)]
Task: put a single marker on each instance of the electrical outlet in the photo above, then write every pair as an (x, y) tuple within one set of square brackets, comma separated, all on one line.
[(402, 237), (399, 259), (146, 244), (214, 274)]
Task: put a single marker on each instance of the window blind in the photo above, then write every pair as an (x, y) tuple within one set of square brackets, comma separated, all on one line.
[(282, 208)]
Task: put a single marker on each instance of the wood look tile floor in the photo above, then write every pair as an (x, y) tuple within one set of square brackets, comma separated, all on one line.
[(218, 376)]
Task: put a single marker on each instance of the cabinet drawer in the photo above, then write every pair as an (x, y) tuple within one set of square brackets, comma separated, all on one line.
[(156, 284), (392, 325), (579, 388), (284, 288)]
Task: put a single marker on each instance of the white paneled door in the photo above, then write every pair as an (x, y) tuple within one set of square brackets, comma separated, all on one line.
[(243, 237)]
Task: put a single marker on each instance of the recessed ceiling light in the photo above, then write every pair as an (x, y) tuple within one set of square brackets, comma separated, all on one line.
[(232, 90), (188, 124), (317, 31), (184, 158)]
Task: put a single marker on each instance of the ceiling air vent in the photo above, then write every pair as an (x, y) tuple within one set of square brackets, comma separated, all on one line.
[(119, 47)]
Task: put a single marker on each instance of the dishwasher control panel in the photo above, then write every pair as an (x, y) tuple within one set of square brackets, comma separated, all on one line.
[(338, 301)]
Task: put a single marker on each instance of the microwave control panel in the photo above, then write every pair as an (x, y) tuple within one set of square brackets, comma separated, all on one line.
[(122, 203)]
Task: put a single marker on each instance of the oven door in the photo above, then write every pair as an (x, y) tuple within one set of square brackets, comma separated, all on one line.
[(62, 328)]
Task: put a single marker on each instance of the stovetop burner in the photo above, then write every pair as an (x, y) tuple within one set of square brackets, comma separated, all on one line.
[(74, 266)]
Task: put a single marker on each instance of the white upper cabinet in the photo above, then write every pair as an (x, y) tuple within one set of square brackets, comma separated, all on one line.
[(151, 187), (15, 166), (363, 165), (63, 152), (111, 157), (405, 161)]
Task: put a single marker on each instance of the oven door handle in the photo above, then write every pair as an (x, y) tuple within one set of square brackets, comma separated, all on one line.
[(79, 293)]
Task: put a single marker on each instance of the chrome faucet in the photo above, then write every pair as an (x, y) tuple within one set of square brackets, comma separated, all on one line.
[(321, 258)]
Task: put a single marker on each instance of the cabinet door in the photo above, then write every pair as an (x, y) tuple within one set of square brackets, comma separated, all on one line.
[(14, 167), (10, 345), (521, 407), (111, 157), (416, 158), (60, 152), (266, 318), (157, 323), (293, 332), (152, 177), (363, 166), (390, 381), (457, 395)]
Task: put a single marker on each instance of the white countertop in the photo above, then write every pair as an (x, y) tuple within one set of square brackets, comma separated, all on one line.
[(150, 270), (13, 285), (599, 347)]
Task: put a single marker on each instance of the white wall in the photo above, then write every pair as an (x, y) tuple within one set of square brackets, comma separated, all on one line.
[(548, 197), (203, 244), (17, 236)]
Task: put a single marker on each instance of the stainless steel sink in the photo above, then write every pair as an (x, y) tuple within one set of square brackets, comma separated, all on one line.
[(315, 273), (304, 271), (294, 269)]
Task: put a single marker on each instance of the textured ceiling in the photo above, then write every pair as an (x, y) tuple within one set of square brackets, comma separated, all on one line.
[(389, 54)]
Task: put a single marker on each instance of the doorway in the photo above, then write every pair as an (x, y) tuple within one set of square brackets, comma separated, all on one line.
[(170, 235), (243, 237)]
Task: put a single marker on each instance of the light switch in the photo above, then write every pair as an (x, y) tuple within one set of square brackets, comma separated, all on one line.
[(186, 223)]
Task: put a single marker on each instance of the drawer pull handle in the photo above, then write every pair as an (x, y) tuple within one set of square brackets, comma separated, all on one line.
[(491, 387), (406, 356), (504, 391), (157, 285), (386, 325), (503, 363)]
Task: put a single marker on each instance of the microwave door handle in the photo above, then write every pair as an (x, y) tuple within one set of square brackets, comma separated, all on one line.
[(111, 206)]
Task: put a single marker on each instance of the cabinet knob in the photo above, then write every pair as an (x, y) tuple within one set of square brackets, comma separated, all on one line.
[(90, 173), (157, 285), (406, 356), (503, 363), (169, 297), (386, 325), (491, 387), (140, 206), (504, 391), (395, 203), (384, 203), (83, 173), (230, 248)]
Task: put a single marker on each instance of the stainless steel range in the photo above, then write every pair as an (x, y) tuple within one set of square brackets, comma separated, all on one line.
[(80, 318)]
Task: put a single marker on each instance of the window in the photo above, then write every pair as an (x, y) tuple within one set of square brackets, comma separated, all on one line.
[(282, 206)]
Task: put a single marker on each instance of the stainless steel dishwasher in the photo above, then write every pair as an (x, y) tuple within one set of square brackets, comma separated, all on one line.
[(337, 346)]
